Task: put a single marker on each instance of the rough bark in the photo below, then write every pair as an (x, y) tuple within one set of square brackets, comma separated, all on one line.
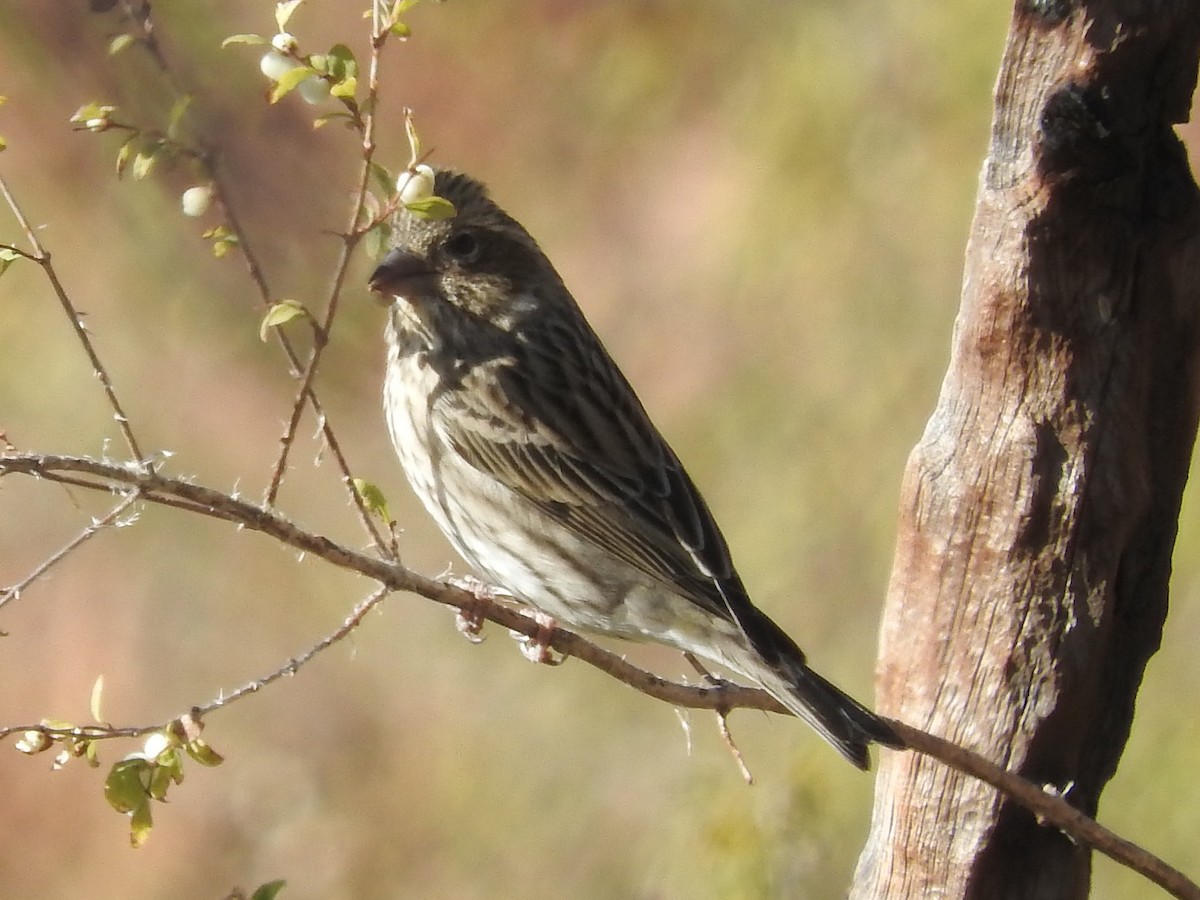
[(1038, 512)]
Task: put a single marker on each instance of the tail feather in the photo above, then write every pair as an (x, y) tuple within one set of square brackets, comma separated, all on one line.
[(844, 722), (772, 659)]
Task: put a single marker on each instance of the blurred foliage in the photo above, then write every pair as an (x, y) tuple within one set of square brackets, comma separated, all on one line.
[(763, 210)]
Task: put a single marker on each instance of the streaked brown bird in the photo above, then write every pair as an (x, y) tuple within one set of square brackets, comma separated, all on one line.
[(534, 455)]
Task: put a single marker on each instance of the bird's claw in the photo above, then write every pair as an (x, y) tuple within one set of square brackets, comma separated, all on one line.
[(536, 648), (469, 623), (480, 590), (467, 618)]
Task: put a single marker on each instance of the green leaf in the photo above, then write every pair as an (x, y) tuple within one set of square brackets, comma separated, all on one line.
[(124, 788), (140, 824), (414, 142), (124, 154), (378, 239), (372, 498), (178, 111), (251, 39), (283, 12), (7, 258), (119, 43), (386, 180), (290, 81), (93, 116), (400, 30), (223, 240), (204, 754), (346, 63), (143, 162), (268, 891), (160, 779), (278, 314), (3, 145), (432, 208), (326, 118), (345, 88), (97, 696)]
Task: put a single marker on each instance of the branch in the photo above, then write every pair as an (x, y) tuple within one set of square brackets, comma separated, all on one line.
[(42, 257), (144, 32), (722, 697), (321, 333), (13, 592), (101, 475), (1051, 809), (291, 667)]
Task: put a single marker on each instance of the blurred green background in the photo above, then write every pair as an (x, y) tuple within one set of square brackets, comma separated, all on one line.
[(762, 207)]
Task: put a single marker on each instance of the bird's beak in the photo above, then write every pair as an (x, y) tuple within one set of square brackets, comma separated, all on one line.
[(396, 274)]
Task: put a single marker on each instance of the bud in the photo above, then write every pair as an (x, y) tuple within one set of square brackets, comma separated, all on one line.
[(34, 742), (284, 42)]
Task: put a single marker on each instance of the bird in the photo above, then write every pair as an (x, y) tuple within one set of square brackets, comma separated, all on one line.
[(534, 456)]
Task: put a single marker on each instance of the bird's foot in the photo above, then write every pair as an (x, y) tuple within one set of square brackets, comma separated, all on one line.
[(481, 590), (468, 618), (536, 648), (468, 621)]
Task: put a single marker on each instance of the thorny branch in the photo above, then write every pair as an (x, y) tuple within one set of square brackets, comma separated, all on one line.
[(41, 256), (145, 36), (13, 591), (724, 697), (349, 241)]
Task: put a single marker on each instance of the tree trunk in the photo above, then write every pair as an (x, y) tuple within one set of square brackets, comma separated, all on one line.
[(1039, 510)]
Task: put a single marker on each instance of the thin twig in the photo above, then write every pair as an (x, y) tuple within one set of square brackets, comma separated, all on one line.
[(17, 250), (1052, 809), (258, 278), (291, 667), (294, 664), (13, 592), (42, 257), (85, 732), (140, 16), (350, 240)]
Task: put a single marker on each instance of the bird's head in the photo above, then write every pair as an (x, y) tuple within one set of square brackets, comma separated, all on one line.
[(479, 266)]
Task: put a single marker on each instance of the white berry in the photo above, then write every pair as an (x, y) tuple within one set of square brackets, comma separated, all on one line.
[(415, 184), (195, 200), (156, 743), (314, 90), (275, 65)]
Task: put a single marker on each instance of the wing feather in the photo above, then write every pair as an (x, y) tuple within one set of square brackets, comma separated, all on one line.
[(566, 432)]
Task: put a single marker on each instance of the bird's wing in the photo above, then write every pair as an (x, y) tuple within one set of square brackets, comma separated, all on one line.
[(565, 431)]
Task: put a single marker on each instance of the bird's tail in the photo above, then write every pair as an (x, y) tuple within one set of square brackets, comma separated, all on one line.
[(848, 725), (779, 666)]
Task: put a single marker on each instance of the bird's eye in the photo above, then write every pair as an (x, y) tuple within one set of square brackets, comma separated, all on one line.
[(462, 246)]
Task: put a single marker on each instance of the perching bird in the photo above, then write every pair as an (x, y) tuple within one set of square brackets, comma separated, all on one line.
[(534, 455)]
